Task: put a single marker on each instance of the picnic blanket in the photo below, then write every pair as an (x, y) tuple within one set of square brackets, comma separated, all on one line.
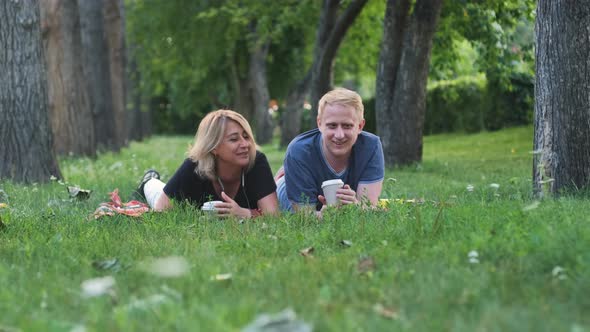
[(115, 206)]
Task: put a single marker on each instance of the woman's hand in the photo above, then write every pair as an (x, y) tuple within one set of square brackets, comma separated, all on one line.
[(230, 208)]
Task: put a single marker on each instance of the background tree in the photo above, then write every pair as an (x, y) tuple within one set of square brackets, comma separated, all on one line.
[(97, 71), (114, 28), (69, 108), (402, 76), (26, 150), (335, 19), (562, 96)]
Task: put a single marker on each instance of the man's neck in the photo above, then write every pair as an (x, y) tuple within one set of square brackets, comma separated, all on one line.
[(338, 164)]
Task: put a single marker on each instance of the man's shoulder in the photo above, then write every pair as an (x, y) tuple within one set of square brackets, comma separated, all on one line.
[(367, 140), (304, 143)]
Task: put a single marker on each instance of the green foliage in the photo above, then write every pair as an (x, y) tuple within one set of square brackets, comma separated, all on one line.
[(532, 271)]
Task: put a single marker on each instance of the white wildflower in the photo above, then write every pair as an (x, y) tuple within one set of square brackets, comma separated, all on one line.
[(470, 187), (97, 286), (167, 267), (494, 185)]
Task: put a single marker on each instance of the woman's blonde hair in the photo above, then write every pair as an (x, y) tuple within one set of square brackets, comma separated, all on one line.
[(210, 134)]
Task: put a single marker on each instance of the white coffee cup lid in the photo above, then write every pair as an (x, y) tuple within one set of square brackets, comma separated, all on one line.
[(332, 182), (210, 205)]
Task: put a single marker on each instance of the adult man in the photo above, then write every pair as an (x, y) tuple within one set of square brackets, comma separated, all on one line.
[(337, 149)]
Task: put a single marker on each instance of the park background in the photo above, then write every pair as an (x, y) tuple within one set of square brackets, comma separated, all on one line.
[(469, 240)]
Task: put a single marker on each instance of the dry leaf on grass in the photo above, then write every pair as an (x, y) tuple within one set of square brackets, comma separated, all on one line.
[(365, 265), (222, 277), (108, 264), (307, 252), (346, 243), (80, 194), (386, 312)]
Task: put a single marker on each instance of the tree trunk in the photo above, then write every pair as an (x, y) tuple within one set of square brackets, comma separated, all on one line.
[(137, 112), (114, 25), (562, 97), (263, 122), (291, 113), (326, 49), (402, 77), (97, 73), (243, 100), (331, 31), (26, 151), (69, 109)]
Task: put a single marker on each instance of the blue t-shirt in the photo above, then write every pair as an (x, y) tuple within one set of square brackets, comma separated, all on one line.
[(306, 168)]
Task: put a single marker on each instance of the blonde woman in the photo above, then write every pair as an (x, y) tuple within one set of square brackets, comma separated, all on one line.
[(223, 164)]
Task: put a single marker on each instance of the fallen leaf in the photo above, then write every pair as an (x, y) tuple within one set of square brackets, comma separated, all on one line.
[(307, 252), (222, 277), (284, 321), (80, 194), (3, 205), (365, 265), (346, 243), (386, 312), (109, 264)]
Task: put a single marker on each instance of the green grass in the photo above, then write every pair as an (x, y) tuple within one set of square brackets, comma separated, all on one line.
[(420, 251)]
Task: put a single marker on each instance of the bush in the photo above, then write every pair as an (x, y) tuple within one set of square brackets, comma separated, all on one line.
[(471, 104)]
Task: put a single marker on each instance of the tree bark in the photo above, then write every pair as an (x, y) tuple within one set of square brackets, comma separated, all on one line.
[(402, 76), (26, 152), (259, 86), (330, 33), (327, 45), (69, 109), (243, 100), (562, 97), (114, 24), (291, 113), (97, 73)]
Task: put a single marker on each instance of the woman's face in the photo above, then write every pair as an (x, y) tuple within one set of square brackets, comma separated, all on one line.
[(235, 146)]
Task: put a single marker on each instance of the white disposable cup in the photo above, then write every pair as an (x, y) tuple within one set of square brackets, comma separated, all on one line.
[(329, 188), (209, 207)]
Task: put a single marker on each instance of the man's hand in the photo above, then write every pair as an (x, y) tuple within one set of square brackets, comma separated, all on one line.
[(346, 195)]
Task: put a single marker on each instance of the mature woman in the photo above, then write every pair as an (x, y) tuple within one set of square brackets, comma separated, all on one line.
[(223, 164)]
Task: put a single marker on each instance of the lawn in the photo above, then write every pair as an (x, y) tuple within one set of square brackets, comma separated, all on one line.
[(462, 246)]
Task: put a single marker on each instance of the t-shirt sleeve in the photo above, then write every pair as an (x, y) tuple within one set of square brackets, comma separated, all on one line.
[(182, 184), (299, 182), (375, 169), (261, 182)]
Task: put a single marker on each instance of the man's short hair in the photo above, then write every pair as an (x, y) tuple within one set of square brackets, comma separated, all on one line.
[(342, 96)]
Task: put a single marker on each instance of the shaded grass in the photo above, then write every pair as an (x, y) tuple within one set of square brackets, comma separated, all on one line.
[(420, 251)]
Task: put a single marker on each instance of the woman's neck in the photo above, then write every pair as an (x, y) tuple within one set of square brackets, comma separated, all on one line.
[(229, 174)]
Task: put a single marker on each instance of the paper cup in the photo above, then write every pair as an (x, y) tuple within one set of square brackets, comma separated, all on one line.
[(209, 207), (329, 188)]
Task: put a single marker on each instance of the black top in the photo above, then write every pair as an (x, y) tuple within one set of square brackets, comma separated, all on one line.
[(186, 184)]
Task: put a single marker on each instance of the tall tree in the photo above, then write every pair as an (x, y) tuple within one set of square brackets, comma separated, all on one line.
[(562, 96), (114, 27), (402, 76), (26, 149), (334, 21), (69, 109), (97, 72)]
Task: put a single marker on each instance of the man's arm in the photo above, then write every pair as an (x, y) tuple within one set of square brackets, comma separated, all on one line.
[(370, 191)]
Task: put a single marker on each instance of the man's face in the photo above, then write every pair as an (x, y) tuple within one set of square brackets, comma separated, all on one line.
[(340, 126)]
